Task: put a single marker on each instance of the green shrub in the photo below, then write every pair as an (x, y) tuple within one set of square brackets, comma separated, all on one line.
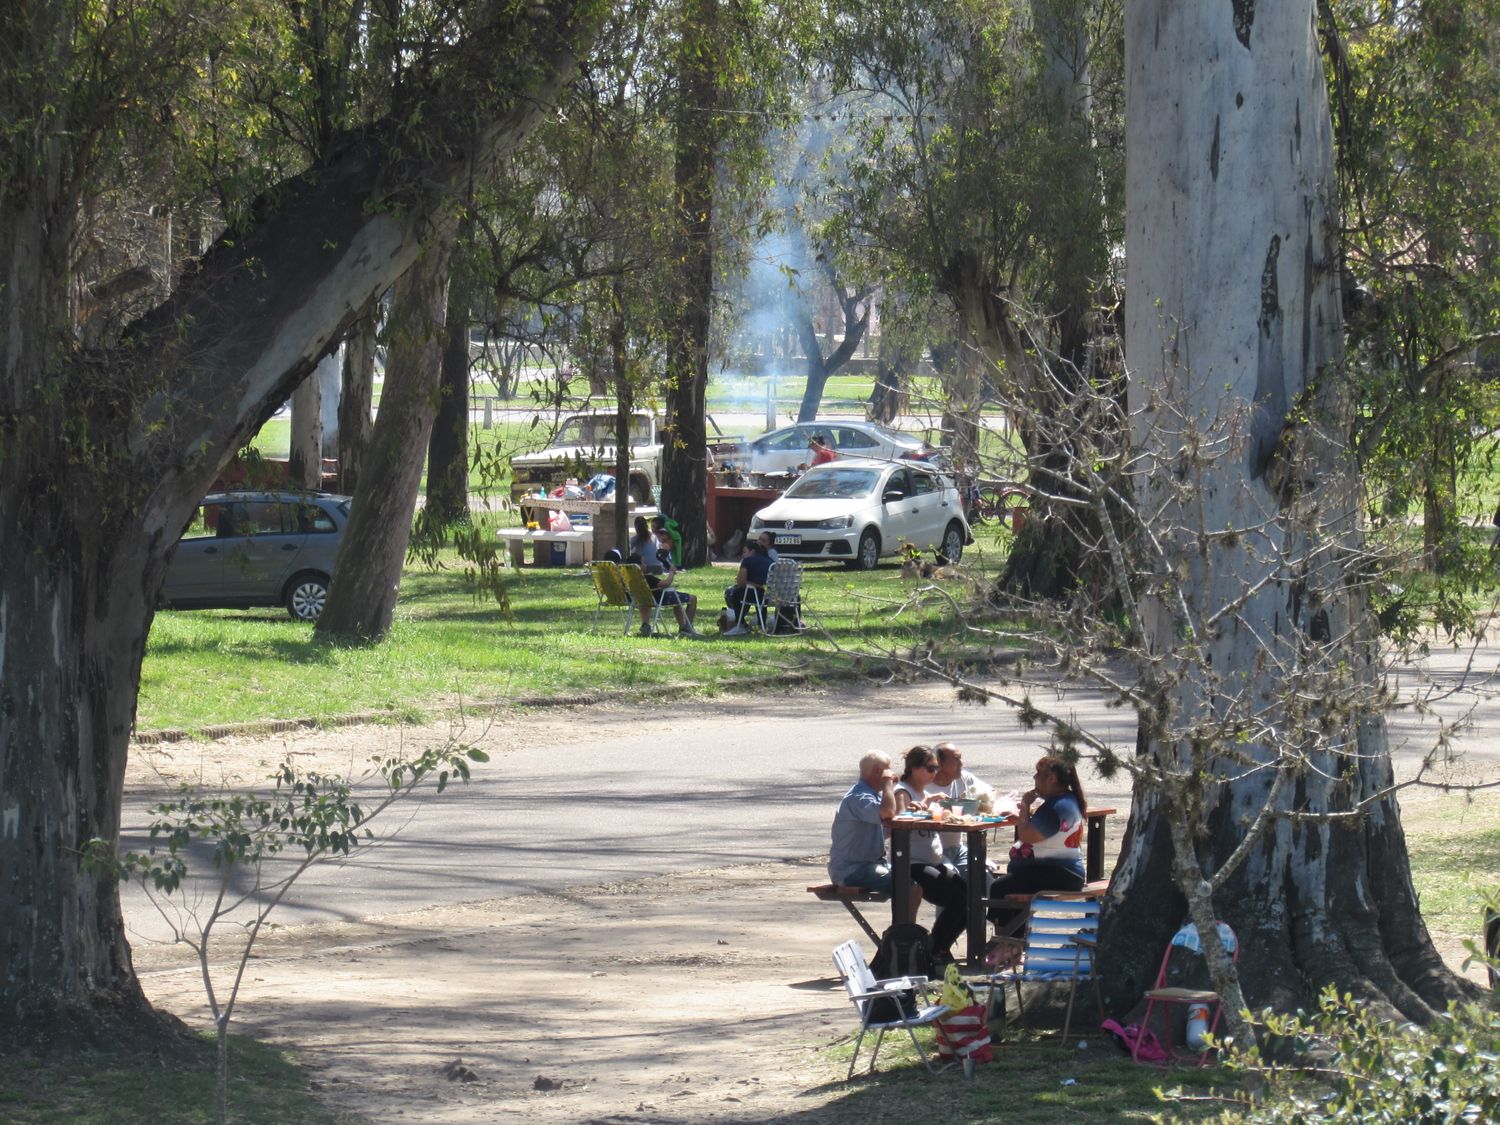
[(1354, 1065)]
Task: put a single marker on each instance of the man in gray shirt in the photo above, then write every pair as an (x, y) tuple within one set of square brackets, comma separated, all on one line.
[(857, 855)]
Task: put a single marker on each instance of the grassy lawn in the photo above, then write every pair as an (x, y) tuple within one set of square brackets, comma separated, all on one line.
[(207, 667), (1455, 863), (265, 1084), (1028, 1082)]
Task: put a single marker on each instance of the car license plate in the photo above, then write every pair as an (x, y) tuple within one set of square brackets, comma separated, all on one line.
[(789, 540)]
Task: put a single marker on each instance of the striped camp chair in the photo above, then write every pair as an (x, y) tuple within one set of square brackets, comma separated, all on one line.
[(784, 595), (1061, 940)]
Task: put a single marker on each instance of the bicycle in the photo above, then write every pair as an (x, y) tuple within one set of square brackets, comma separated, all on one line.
[(996, 502)]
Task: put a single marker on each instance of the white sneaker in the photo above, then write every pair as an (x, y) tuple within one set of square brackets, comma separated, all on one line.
[(737, 631)]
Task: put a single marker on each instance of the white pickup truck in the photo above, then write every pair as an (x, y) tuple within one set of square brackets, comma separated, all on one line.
[(585, 445)]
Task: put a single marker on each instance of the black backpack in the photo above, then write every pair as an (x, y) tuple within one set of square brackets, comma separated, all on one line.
[(905, 950)]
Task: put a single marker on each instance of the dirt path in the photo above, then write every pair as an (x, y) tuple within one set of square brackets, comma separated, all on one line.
[(686, 998), (679, 998)]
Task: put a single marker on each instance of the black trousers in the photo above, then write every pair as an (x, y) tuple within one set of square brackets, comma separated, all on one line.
[(947, 889)]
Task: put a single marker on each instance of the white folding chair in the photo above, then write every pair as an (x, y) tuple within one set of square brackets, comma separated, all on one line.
[(864, 990), (784, 593), (752, 608)]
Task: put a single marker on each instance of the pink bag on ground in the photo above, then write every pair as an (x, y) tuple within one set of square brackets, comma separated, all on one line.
[(1151, 1050)]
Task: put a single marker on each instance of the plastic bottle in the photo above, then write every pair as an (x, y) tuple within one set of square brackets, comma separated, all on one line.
[(1197, 1026)]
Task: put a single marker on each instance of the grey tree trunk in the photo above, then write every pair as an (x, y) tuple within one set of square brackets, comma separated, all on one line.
[(684, 488), (855, 309), (448, 451), (624, 408), (356, 423), (367, 576), (1240, 415), (893, 365)]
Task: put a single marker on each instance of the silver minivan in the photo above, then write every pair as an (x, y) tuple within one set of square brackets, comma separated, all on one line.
[(244, 549)]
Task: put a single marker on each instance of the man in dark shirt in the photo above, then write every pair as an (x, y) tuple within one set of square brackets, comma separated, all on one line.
[(753, 570)]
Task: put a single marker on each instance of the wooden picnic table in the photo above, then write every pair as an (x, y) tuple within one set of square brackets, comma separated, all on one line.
[(975, 832)]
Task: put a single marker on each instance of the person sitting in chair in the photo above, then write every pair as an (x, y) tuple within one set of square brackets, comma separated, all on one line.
[(684, 606), (941, 884), (754, 568), (955, 783), (647, 552), (643, 547), (1046, 855)]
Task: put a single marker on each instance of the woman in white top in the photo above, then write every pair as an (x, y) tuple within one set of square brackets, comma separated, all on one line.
[(941, 885), (911, 795)]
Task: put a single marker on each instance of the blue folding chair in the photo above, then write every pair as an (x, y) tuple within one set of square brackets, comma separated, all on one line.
[(1061, 940)]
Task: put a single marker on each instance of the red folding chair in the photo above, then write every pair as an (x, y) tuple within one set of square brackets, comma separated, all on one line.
[(1165, 995)]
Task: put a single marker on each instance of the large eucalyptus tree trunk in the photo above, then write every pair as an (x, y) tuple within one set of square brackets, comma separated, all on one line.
[(356, 397), (104, 454), (1240, 413), (305, 459)]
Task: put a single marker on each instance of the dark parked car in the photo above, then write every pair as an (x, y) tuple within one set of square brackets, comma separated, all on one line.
[(244, 549)]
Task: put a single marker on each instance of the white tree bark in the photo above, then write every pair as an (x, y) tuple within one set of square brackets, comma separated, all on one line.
[(305, 463), (331, 382), (1259, 639)]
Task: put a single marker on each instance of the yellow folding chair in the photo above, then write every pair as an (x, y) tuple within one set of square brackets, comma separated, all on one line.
[(610, 589), (641, 595)]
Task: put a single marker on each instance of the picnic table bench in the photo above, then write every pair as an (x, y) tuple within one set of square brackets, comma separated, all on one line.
[(580, 545), (600, 513), (837, 892)]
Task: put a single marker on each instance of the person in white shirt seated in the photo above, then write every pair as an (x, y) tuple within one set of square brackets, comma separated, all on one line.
[(941, 884), (954, 782)]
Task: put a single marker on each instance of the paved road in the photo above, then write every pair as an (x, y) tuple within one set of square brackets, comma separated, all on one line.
[(612, 796)]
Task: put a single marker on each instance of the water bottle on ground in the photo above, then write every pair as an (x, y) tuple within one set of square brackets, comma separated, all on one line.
[(1197, 1026)]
